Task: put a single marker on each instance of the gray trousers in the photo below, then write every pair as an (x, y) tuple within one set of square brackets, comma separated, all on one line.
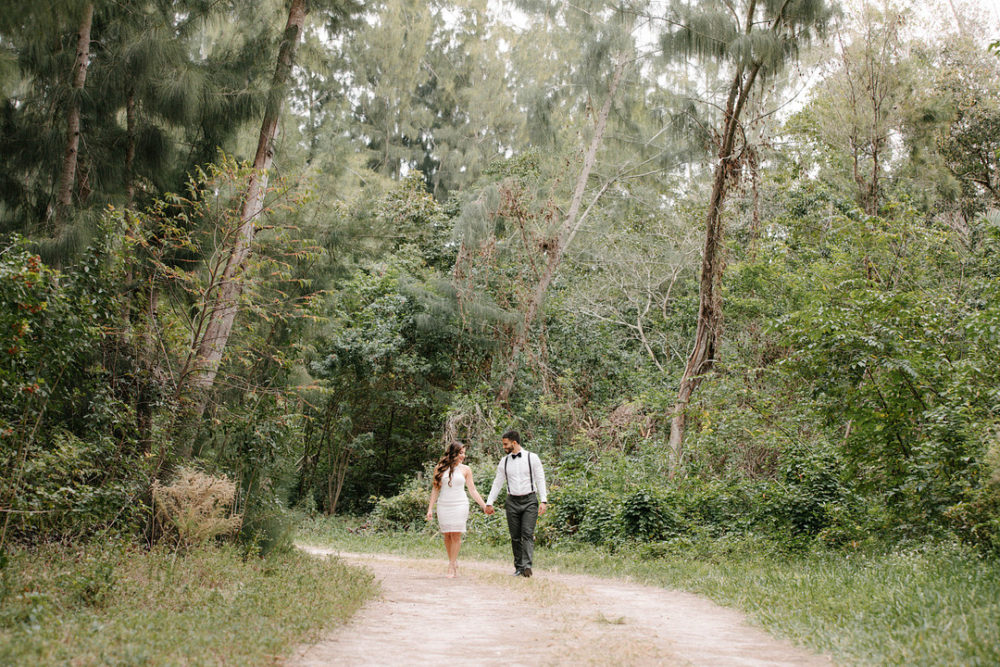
[(522, 514)]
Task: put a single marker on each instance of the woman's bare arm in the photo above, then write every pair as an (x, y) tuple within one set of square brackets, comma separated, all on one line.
[(472, 489), (430, 506)]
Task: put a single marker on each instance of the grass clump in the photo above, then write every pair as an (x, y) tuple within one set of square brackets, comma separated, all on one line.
[(207, 605), (197, 506)]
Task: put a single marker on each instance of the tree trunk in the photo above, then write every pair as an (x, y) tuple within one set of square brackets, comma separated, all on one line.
[(203, 362), (130, 148), (709, 328), (67, 177), (343, 462), (571, 224)]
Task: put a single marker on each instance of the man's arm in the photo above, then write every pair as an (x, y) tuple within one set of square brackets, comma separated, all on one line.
[(543, 494), (497, 484)]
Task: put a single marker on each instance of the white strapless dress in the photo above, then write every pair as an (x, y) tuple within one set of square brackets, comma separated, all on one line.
[(453, 503)]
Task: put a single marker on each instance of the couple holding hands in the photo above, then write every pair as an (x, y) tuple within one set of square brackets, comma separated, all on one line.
[(526, 497)]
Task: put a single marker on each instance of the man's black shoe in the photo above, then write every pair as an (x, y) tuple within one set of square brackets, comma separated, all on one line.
[(516, 573), (526, 572)]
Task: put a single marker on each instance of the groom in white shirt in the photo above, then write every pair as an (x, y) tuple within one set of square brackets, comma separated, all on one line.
[(526, 498)]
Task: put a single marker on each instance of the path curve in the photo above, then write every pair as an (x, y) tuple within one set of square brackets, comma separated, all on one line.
[(486, 617)]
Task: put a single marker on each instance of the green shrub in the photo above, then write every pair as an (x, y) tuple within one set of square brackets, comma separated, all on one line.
[(721, 506), (854, 523), (267, 526), (68, 488), (70, 463), (812, 476), (976, 520), (566, 513), (493, 529), (404, 511), (647, 516), (601, 523)]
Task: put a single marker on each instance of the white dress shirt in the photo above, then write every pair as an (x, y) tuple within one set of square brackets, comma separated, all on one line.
[(518, 478)]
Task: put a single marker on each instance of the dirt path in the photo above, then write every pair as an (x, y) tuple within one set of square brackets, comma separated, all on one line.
[(487, 617)]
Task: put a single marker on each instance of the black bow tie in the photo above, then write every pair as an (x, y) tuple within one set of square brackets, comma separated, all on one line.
[(514, 456)]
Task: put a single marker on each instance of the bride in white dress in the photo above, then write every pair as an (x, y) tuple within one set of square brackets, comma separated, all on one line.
[(451, 476)]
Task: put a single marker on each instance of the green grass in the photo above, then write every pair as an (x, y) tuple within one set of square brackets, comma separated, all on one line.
[(922, 605), (105, 606)]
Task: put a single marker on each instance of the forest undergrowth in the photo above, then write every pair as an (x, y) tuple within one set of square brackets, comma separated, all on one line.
[(101, 604)]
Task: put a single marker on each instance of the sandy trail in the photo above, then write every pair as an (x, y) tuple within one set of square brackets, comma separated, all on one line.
[(487, 617)]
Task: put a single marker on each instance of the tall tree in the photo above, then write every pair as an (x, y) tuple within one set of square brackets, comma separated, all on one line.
[(857, 106), (430, 89), (754, 43), (209, 344), (164, 90), (568, 228), (573, 63), (970, 82), (67, 177)]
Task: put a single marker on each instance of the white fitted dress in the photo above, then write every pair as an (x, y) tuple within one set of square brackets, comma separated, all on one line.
[(453, 503)]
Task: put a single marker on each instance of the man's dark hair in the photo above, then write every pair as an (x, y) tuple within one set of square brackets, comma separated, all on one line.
[(512, 435)]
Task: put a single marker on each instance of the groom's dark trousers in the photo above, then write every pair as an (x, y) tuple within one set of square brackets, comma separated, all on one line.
[(522, 515)]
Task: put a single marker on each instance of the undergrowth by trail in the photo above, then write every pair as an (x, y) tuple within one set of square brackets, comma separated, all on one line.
[(98, 605)]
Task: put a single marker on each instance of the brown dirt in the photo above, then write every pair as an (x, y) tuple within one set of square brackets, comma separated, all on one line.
[(487, 617)]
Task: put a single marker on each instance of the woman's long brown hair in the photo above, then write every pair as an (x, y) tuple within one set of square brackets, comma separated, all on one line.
[(447, 462)]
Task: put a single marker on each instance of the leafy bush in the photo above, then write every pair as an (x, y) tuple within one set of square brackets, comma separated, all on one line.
[(601, 523), (976, 520), (69, 487), (70, 462), (267, 526), (647, 516), (405, 510), (581, 512), (493, 529), (812, 484), (566, 514)]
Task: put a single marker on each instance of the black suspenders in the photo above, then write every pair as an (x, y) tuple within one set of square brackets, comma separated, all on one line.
[(531, 475)]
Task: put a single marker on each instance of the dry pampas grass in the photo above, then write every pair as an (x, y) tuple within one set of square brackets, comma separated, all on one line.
[(198, 506)]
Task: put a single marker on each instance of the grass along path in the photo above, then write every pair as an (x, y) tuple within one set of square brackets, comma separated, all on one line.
[(926, 605), (102, 606)]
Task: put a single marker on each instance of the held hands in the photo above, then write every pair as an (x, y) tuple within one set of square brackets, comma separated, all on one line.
[(430, 515), (541, 509)]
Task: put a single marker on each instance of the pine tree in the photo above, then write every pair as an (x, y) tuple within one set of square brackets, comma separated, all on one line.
[(432, 91), (161, 92), (43, 114), (67, 176), (753, 44), (202, 364)]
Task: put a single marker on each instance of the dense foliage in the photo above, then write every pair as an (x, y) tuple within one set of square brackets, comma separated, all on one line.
[(489, 215)]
